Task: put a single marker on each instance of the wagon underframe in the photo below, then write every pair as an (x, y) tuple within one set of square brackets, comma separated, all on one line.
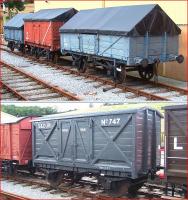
[(116, 67)]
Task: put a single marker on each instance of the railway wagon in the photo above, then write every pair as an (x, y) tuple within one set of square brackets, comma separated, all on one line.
[(120, 148), (41, 31), (14, 32), (16, 144), (176, 146), (122, 39)]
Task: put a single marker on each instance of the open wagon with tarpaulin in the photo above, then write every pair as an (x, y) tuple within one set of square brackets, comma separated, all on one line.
[(120, 147), (41, 31), (16, 144), (14, 32), (122, 39)]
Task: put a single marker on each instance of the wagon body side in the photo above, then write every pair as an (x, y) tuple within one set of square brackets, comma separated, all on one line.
[(103, 144), (16, 142), (43, 34), (6, 151), (25, 142), (14, 35), (176, 145), (126, 50)]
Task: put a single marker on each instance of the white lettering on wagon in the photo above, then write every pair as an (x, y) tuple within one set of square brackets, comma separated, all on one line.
[(65, 130), (110, 122), (83, 129), (176, 144), (44, 125)]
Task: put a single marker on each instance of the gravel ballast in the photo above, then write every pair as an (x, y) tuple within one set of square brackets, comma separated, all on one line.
[(87, 91), (30, 191)]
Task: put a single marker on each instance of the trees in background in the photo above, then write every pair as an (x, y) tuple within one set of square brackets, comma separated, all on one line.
[(20, 111), (13, 7)]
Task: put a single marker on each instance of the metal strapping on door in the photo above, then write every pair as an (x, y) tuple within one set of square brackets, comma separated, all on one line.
[(46, 33)]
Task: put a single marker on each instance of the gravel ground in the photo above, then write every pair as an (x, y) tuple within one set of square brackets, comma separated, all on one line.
[(30, 191), (87, 91)]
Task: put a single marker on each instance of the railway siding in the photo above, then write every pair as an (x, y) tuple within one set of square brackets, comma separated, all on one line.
[(93, 86), (43, 89)]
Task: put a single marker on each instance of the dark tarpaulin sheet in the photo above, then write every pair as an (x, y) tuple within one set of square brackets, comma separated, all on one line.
[(59, 14), (17, 21), (126, 20)]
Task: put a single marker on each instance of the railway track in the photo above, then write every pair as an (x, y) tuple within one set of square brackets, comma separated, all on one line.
[(10, 196), (9, 93), (27, 87), (85, 190), (149, 89)]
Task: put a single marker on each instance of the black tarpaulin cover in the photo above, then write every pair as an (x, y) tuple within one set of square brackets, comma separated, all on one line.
[(134, 20)]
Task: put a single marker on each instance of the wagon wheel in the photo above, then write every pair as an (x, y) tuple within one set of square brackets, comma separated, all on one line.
[(146, 73), (55, 58), (32, 51), (12, 47), (75, 59), (36, 54), (32, 170), (54, 179), (121, 76), (118, 76), (12, 169), (21, 48), (82, 65)]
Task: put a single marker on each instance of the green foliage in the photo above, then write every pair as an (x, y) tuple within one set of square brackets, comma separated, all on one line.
[(21, 111), (15, 5)]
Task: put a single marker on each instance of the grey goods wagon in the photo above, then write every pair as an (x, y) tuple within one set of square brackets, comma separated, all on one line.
[(14, 31), (176, 146), (118, 147), (122, 39)]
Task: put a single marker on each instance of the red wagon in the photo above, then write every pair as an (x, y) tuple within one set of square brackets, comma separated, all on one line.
[(16, 144), (41, 31)]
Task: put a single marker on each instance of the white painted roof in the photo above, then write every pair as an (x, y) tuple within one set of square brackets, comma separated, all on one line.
[(7, 118)]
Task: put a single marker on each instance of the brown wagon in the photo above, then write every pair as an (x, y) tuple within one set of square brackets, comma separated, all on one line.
[(176, 146), (16, 144), (41, 30)]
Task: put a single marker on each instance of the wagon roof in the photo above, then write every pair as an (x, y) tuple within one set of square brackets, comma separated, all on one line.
[(62, 14), (174, 107), (13, 120), (125, 20), (76, 114), (17, 21)]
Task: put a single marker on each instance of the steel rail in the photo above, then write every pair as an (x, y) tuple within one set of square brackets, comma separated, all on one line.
[(10, 196), (164, 85), (124, 88), (16, 93), (56, 89), (84, 193)]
